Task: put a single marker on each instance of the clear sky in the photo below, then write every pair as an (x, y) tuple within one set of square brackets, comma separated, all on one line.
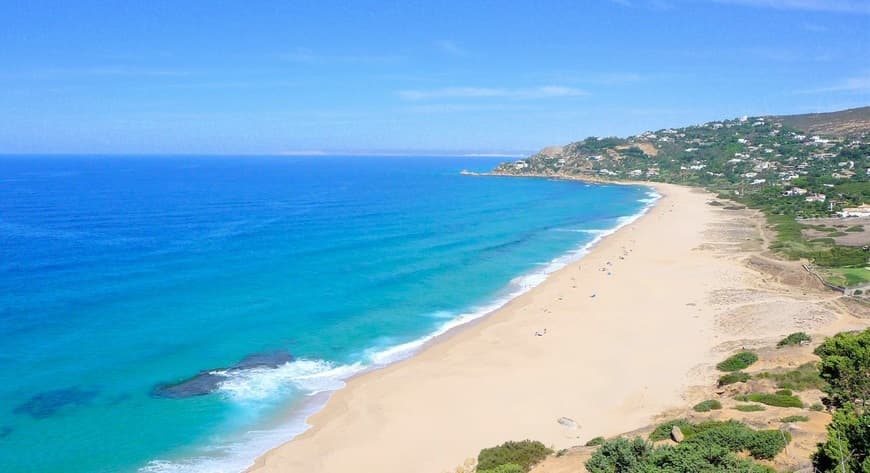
[(261, 76)]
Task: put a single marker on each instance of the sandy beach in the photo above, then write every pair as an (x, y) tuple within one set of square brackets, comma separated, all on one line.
[(601, 347)]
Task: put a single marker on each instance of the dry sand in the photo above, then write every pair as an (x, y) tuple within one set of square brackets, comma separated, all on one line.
[(676, 293)]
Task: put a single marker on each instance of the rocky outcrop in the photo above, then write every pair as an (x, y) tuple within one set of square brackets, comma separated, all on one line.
[(208, 381)]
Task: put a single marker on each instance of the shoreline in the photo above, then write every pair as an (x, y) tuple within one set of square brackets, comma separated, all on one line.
[(497, 379), (566, 177), (572, 257), (300, 414)]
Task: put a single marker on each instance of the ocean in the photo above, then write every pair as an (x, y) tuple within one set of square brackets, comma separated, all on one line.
[(186, 313)]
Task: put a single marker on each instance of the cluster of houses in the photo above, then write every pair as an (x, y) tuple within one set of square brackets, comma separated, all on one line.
[(763, 153)]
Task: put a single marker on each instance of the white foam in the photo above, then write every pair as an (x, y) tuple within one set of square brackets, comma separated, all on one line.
[(314, 377), (308, 376)]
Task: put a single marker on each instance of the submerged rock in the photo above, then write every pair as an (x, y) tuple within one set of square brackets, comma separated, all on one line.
[(47, 403), (263, 360), (208, 381), (199, 385)]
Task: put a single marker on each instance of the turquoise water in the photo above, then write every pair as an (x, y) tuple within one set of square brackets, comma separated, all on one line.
[(122, 274)]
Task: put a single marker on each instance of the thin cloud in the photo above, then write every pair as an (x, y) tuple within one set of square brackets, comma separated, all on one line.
[(860, 84), (94, 71), (814, 28), (305, 55), (447, 46), (485, 92), (660, 5), (651, 4), (616, 78), (834, 6)]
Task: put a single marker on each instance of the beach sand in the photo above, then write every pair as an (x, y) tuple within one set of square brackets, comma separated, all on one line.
[(673, 293)]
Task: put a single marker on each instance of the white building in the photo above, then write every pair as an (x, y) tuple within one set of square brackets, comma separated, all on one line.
[(794, 191), (862, 211)]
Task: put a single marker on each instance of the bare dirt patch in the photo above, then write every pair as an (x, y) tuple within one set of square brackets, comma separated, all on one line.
[(840, 226)]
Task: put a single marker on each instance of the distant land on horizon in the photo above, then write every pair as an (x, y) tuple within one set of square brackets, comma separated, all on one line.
[(833, 123)]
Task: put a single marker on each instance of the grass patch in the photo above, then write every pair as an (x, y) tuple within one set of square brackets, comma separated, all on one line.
[(707, 406), (663, 431), (524, 454), (595, 442), (738, 361), (777, 400), (823, 252), (848, 277), (750, 407), (505, 468), (817, 407), (791, 419), (794, 339), (731, 378), (805, 376), (855, 228)]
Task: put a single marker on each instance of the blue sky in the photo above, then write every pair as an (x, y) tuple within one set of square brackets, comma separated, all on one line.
[(395, 76)]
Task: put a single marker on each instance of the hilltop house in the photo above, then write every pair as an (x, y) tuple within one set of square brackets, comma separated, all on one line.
[(794, 191), (862, 211)]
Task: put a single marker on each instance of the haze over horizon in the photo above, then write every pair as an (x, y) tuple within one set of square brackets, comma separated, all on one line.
[(280, 78)]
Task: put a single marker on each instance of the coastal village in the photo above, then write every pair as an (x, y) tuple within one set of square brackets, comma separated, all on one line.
[(809, 173), (788, 385)]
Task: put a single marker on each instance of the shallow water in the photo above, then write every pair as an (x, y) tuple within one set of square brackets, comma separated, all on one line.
[(122, 274)]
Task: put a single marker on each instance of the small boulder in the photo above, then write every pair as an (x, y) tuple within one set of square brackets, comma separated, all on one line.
[(677, 434)]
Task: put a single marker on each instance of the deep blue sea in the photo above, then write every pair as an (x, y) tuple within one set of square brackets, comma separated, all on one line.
[(120, 276)]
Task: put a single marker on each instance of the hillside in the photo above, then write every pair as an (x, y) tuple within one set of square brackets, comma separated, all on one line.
[(806, 182), (841, 123)]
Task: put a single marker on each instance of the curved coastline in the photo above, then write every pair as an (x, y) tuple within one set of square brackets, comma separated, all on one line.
[(242, 455), (465, 322)]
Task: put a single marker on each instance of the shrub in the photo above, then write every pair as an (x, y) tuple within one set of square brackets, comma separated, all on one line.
[(710, 447), (847, 447), (707, 406), (738, 362), (506, 468), (766, 444), (595, 442), (525, 454), (803, 377), (692, 458), (730, 434), (750, 407), (663, 431), (619, 455), (855, 228), (731, 378), (845, 366), (784, 392), (777, 400), (794, 339), (817, 407), (790, 419)]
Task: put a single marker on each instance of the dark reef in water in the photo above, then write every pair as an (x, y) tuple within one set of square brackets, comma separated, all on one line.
[(47, 403), (207, 381)]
